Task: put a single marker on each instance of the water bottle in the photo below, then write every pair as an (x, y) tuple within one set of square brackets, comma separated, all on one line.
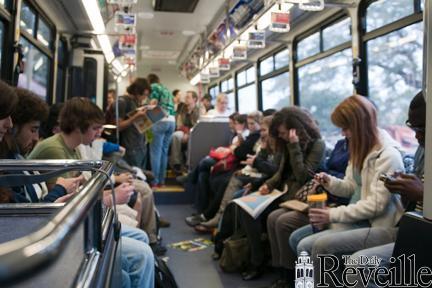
[(317, 201)]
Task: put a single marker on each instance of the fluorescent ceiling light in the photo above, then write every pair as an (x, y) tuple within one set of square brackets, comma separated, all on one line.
[(188, 32), (118, 66), (105, 45), (93, 44), (94, 14), (145, 15)]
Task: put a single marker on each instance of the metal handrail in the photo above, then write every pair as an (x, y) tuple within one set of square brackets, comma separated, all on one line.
[(36, 165), (25, 255)]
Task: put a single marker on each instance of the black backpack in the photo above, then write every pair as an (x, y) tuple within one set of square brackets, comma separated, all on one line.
[(163, 276)]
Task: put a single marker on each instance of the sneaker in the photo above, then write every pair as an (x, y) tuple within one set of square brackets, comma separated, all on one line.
[(158, 249), (195, 220), (164, 223)]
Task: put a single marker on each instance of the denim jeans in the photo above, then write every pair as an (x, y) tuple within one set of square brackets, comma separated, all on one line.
[(162, 134), (137, 259)]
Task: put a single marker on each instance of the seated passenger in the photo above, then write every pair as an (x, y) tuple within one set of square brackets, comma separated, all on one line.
[(201, 174), (206, 104), (282, 222), (242, 149), (81, 123), (372, 153), (409, 186), (187, 117), (221, 109), (27, 118), (298, 138)]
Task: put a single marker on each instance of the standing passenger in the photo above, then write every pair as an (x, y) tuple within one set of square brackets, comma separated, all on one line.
[(162, 130), (130, 137)]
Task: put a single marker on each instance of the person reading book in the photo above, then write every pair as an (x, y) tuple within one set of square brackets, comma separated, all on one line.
[(130, 137), (299, 140)]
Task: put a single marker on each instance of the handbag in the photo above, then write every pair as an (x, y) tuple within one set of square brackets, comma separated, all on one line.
[(224, 165), (236, 253), (307, 189)]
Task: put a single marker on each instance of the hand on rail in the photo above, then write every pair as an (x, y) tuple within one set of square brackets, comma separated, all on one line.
[(64, 198), (70, 184)]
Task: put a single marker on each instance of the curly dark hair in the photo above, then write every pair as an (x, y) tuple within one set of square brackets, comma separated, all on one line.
[(295, 118), (138, 86), (8, 100), (31, 108)]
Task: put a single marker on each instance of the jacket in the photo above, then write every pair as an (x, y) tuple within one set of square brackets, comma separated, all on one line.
[(377, 205), (294, 167)]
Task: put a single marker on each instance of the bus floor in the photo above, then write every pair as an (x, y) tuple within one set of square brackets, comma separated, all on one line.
[(197, 269)]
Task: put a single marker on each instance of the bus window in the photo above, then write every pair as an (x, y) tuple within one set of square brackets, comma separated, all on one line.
[(36, 70)]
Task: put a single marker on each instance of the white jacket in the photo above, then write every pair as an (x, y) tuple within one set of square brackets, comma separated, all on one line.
[(376, 204)]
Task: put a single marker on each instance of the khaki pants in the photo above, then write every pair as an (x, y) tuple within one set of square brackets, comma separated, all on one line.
[(280, 224), (148, 214)]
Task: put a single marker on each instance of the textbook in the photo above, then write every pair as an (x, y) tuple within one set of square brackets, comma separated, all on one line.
[(153, 114), (255, 203)]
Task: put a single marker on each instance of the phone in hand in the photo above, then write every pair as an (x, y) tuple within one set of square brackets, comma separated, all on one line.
[(386, 178)]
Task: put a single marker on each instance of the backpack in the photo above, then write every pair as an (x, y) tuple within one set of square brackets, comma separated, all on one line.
[(163, 276)]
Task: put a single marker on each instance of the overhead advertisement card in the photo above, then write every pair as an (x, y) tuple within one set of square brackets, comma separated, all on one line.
[(125, 19), (239, 52), (224, 64), (256, 39), (214, 72), (127, 41), (205, 78), (280, 22)]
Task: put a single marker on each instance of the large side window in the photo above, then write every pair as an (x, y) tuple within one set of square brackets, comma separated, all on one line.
[(36, 70), (274, 79), (323, 84), (246, 91), (37, 42), (227, 87), (325, 80), (395, 60)]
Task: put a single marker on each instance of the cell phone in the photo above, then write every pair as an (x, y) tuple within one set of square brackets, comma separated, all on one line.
[(386, 178)]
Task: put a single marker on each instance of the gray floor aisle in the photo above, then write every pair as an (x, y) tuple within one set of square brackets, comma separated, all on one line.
[(197, 269)]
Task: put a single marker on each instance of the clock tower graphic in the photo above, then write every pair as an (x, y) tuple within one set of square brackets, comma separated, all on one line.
[(304, 277)]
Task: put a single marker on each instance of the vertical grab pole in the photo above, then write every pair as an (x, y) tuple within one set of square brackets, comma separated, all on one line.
[(427, 82)]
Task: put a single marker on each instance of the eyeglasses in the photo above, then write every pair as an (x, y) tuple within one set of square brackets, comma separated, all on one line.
[(415, 128)]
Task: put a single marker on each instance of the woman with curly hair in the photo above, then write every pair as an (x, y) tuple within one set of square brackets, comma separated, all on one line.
[(299, 140)]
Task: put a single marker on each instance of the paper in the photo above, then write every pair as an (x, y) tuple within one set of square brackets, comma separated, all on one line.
[(295, 205), (153, 115), (256, 203), (192, 245)]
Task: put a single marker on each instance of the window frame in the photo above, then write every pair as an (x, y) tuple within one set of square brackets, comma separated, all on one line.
[(274, 73), (322, 54), (365, 36), (239, 87), (49, 51), (229, 91)]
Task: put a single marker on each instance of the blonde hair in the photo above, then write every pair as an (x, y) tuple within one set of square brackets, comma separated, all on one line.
[(359, 115), (221, 97), (257, 116)]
